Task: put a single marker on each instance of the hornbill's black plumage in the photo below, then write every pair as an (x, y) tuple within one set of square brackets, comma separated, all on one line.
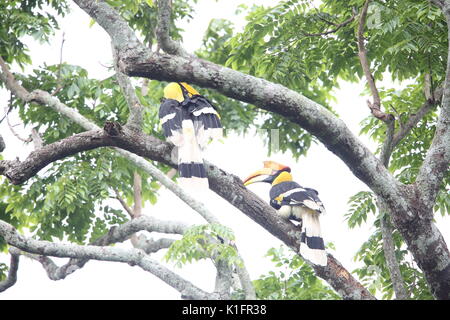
[(294, 202), (189, 121)]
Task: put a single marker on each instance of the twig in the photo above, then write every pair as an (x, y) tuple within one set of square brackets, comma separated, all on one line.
[(416, 117), (124, 204), (135, 119), (137, 194), (375, 106), (58, 77), (14, 132), (337, 26)]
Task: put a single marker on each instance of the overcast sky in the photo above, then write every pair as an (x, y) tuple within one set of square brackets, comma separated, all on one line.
[(89, 47)]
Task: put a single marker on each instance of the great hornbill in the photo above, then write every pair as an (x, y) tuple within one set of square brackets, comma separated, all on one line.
[(189, 121), (294, 202)]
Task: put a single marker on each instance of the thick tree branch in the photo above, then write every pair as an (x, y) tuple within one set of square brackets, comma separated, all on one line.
[(18, 172), (150, 245), (115, 235), (12, 273)]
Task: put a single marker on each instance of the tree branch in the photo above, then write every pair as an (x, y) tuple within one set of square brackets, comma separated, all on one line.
[(338, 26), (12, 273), (135, 119), (124, 204), (375, 106), (2, 144), (163, 30), (115, 235), (437, 160), (18, 172), (130, 256), (389, 253), (416, 117), (149, 245)]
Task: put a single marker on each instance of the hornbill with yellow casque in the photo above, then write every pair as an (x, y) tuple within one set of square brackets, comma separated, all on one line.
[(189, 121), (294, 202)]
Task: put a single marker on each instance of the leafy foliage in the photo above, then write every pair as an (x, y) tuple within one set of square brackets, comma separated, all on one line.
[(361, 204), (26, 18), (292, 279), (72, 197), (374, 274), (142, 16), (204, 241)]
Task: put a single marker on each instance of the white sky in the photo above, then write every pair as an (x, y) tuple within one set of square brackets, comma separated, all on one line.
[(90, 48)]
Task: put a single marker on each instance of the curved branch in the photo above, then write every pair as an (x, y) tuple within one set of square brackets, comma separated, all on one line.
[(135, 118), (115, 235), (163, 30), (11, 279), (338, 26), (130, 256)]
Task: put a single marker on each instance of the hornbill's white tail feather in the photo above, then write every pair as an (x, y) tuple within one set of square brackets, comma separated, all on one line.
[(312, 245)]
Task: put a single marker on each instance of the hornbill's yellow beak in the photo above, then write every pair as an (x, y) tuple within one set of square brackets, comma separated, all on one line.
[(258, 176), (271, 169)]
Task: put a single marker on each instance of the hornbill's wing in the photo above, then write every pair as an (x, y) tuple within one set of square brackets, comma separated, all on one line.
[(291, 193), (304, 197), (204, 116), (171, 119)]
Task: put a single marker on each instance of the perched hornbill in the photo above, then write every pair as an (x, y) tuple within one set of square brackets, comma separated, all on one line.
[(295, 202), (189, 121)]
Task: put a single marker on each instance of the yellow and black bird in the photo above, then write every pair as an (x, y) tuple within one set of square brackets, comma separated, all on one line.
[(294, 202), (189, 121)]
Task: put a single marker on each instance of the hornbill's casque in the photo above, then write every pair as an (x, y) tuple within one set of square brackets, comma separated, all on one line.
[(295, 202), (189, 121)]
